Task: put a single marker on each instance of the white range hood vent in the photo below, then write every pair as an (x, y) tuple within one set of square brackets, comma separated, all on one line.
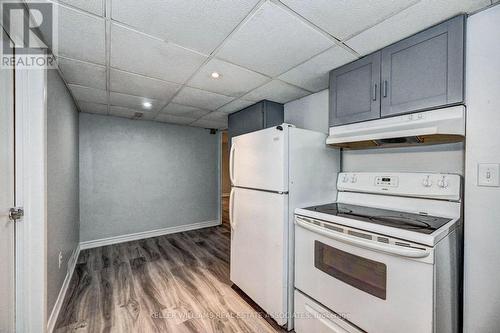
[(423, 128)]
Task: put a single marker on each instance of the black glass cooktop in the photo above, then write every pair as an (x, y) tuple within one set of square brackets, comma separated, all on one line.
[(424, 224)]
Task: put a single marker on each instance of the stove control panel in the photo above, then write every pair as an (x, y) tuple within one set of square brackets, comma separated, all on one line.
[(424, 185), (391, 181)]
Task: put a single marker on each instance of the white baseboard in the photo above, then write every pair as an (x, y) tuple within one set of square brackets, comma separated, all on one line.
[(64, 288), (146, 234)]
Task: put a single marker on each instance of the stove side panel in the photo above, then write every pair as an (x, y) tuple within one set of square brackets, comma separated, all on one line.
[(448, 283)]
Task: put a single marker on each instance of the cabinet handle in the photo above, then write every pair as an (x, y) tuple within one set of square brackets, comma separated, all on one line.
[(374, 92), (385, 88)]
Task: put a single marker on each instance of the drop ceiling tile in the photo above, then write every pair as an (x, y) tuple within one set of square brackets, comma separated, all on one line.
[(313, 74), (168, 118), (184, 111), (236, 105), (83, 73), (234, 80), (200, 98), (196, 24), (216, 116), (81, 36), (119, 111), (342, 18), (412, 20), (87, 94), (273, 41), (277, 91), (92, 6), (209, 124), (93, 107), (138, 53), (134, 102), (134, 84)]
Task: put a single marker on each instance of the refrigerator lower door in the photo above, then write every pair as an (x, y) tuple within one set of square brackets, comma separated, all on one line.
[(259, 229), (259, 160)]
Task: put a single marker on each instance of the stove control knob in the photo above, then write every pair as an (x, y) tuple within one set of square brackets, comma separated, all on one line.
[(354, 179), (345, 179), (427, 182), (443, 183)]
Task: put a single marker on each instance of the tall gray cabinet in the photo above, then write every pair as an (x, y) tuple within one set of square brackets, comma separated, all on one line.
[(258, 116), (421, 72)]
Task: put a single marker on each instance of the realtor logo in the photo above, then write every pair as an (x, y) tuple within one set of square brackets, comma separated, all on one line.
[(29, 34)]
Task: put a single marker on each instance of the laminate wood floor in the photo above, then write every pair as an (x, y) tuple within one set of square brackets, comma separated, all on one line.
[(225, 211), (172, 283)]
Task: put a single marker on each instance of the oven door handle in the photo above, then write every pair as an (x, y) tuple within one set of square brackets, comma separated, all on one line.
[(360, 242)]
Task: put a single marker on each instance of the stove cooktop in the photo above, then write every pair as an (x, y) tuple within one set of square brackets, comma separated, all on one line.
[(424, 224)]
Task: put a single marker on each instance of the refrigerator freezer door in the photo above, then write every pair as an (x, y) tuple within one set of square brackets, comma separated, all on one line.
[(259, 248), (259, 160)]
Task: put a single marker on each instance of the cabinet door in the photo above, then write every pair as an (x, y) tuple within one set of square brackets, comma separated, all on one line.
[(354, 91), (247, 120), (424, 71)]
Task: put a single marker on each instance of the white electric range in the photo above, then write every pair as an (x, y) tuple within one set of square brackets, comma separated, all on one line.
[(386, 257)]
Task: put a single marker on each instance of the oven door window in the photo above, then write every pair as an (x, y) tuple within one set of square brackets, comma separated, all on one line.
[(364, 274)]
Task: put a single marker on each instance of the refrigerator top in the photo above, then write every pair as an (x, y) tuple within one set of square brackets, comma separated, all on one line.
[(259, 160)]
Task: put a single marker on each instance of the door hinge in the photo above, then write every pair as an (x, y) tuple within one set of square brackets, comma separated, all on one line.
[(16, 213)]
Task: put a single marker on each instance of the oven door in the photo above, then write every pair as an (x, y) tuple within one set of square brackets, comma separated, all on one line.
[(380, 288)]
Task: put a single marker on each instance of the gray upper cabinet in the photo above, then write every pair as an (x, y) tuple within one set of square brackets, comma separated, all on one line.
[(354, 91), (255, 117), (424, 71), (245, 121)]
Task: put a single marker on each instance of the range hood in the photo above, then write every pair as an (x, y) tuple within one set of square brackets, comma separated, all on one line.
[(424, 128)]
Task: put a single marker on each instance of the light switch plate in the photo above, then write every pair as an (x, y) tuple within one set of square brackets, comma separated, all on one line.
[(488, 174)]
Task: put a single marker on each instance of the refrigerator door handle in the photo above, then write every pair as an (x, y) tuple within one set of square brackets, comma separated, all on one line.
[(231, 209), (231, 163)]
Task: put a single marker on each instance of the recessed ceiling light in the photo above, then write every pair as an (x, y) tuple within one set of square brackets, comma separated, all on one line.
[(215, 75), (147, 105)]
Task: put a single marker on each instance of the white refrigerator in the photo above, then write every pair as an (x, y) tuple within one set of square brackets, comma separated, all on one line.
[(273, 171)]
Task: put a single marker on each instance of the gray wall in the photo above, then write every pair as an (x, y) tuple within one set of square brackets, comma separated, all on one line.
[(62, 183), (311, 112), (482, 204), (138, 176)]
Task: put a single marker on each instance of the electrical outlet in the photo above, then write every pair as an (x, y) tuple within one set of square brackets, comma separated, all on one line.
[(60, 259)]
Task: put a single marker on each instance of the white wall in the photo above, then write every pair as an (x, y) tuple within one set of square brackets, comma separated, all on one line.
[(447, 158), (482, 204), (139, 176), (311, 112), (63, 213)]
